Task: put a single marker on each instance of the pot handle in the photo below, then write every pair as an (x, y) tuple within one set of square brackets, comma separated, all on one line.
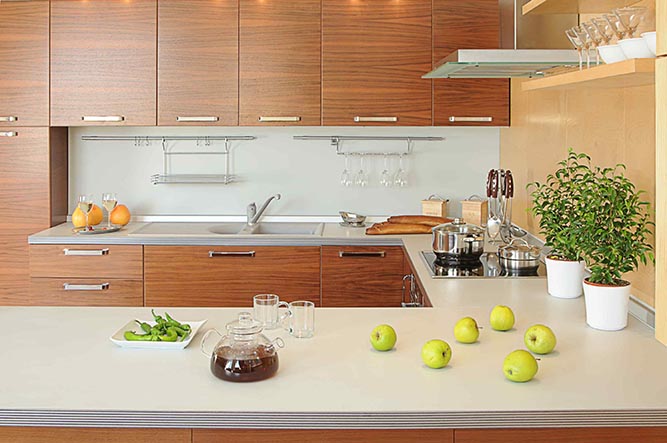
[(202, 347)]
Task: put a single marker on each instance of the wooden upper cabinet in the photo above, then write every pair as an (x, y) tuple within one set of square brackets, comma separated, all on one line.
[(280, 69), (103, 69), (374, 53), (198, 62), (24, 63), (471, 24)]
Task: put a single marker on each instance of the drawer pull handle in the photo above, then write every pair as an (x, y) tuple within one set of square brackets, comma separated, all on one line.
[(9, 134), (86, 252), (342, 254), (101, 287), (9, 118), (103, 118), (268, 119), (197, 119), (212, 254), (454, 119), (360, 119)]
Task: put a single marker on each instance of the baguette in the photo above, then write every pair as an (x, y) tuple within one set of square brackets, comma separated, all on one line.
[(387, 228), (419, 220)]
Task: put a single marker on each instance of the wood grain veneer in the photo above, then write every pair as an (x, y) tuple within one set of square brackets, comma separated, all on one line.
[(661, 27), (120, 262), (324, 436), (93, 435), (24, 62), (373, 281), (50, 292), (562, 435), (103, 56), (280, 61), (374, 53), (187, 276), (198, 61), (473, 24), (661, 202)]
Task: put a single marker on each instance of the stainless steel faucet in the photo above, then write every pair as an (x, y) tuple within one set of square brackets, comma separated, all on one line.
[(254, 215)]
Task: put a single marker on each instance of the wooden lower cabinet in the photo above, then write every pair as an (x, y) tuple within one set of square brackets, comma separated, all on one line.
[(324, 436), (562, 435), (93, 435), (362, 276), (226, 276), (86, 292)]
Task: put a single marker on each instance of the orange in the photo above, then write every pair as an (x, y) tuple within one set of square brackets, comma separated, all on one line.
[(120, 215), (94, 218)]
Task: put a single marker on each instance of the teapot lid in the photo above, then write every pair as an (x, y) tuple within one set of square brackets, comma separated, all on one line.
[(245, 325)]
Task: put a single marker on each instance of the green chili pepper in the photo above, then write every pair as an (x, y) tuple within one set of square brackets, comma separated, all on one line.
[(171, 321), (133, 336), (171, 335), (180, 331), (158, 319), (144, 326)]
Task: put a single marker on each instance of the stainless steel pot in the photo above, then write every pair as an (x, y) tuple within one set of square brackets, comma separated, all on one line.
[(458, 240), (519, 255)]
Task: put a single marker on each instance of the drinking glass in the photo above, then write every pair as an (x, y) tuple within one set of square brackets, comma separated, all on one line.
[(300, 319), (615, 24), (346, 177), (586, 42), (385, 177), (578, 45), (85, 203), (401, 179), (594, 37), (362, 176), (109, 201), (265, 309), (630, 17), (604, 29)]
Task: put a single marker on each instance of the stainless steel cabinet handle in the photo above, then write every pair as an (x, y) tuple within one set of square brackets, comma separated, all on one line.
[(100, 287), (268, 119), (86, 252), (9, 134), (103, 118), (9, 118), (454, 119), (360, 119), (342, 254), (197, 119), (212, 254)]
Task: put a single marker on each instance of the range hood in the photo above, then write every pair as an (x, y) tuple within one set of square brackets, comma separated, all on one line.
[(530, 46)]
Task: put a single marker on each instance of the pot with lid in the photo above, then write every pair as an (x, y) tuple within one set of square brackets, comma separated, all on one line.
[(519, 256), (244, 354), (458, 241)]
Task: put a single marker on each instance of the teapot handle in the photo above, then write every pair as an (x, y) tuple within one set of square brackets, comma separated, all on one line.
[(203, 342)]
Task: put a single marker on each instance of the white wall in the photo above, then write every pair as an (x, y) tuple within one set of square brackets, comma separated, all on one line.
[(306, 173)]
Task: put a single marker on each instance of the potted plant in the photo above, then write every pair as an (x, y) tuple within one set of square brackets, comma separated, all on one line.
[(560, 204), (616, 229)]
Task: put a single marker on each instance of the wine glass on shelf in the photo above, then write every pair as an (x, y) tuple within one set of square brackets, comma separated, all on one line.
[(109, 201), (385, 177), (346, 176), (630, 18), (595, 38), (604, 29), (616, 27), (85, 203), (576, 42), (362, 176), (401, 179), (586, 42)]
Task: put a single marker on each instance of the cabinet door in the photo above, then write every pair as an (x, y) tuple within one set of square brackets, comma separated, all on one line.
[(280, 62), (86, 292), (562, 435), (229, 276), (354, 276), (473, 24), (198, 62), (103, 69), (374, 53), (24, 63)]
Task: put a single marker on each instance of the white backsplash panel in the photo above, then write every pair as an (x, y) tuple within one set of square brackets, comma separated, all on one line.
[(306, 173)]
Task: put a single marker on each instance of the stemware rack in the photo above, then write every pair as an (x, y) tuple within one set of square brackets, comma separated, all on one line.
[(168, 178), (337, 142)]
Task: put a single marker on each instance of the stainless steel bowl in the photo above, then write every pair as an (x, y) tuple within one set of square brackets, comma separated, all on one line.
[(352, 218)]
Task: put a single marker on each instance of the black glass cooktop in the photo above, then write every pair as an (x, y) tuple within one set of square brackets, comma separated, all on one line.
[(487, 267)]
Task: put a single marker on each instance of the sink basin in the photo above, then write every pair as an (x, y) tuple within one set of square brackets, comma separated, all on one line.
[(285, 229), (226, 228)]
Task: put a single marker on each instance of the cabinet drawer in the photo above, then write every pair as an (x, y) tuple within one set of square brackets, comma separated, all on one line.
[(86, 292), (103, 261), (362, 276)]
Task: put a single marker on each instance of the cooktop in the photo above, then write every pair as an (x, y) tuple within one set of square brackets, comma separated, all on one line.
[(487, 267)]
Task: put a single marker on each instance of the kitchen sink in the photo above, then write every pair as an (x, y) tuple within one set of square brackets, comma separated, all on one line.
[(226, 228), (285, 229)]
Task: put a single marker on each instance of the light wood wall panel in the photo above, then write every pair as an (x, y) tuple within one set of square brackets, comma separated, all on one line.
[(612, 126), (661, 196)]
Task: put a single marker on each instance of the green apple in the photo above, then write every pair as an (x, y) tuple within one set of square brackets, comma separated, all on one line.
[(520, 366), (466, 330), (502, 318), (383, 337), (436, 353), (540, 339)]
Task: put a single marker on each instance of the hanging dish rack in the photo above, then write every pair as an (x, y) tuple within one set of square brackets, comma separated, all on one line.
[(337, 142), (166, 178)]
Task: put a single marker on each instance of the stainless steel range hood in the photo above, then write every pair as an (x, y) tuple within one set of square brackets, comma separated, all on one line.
[(530, 46)]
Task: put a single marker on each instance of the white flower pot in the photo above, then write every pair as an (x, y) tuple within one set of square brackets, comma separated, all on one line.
[(607, 306), (565, 278)]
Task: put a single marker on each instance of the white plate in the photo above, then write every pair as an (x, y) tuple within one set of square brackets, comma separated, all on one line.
[(119, 338)]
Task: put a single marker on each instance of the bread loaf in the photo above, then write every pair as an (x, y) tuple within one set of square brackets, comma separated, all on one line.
[(419, 220), (397, 229)]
